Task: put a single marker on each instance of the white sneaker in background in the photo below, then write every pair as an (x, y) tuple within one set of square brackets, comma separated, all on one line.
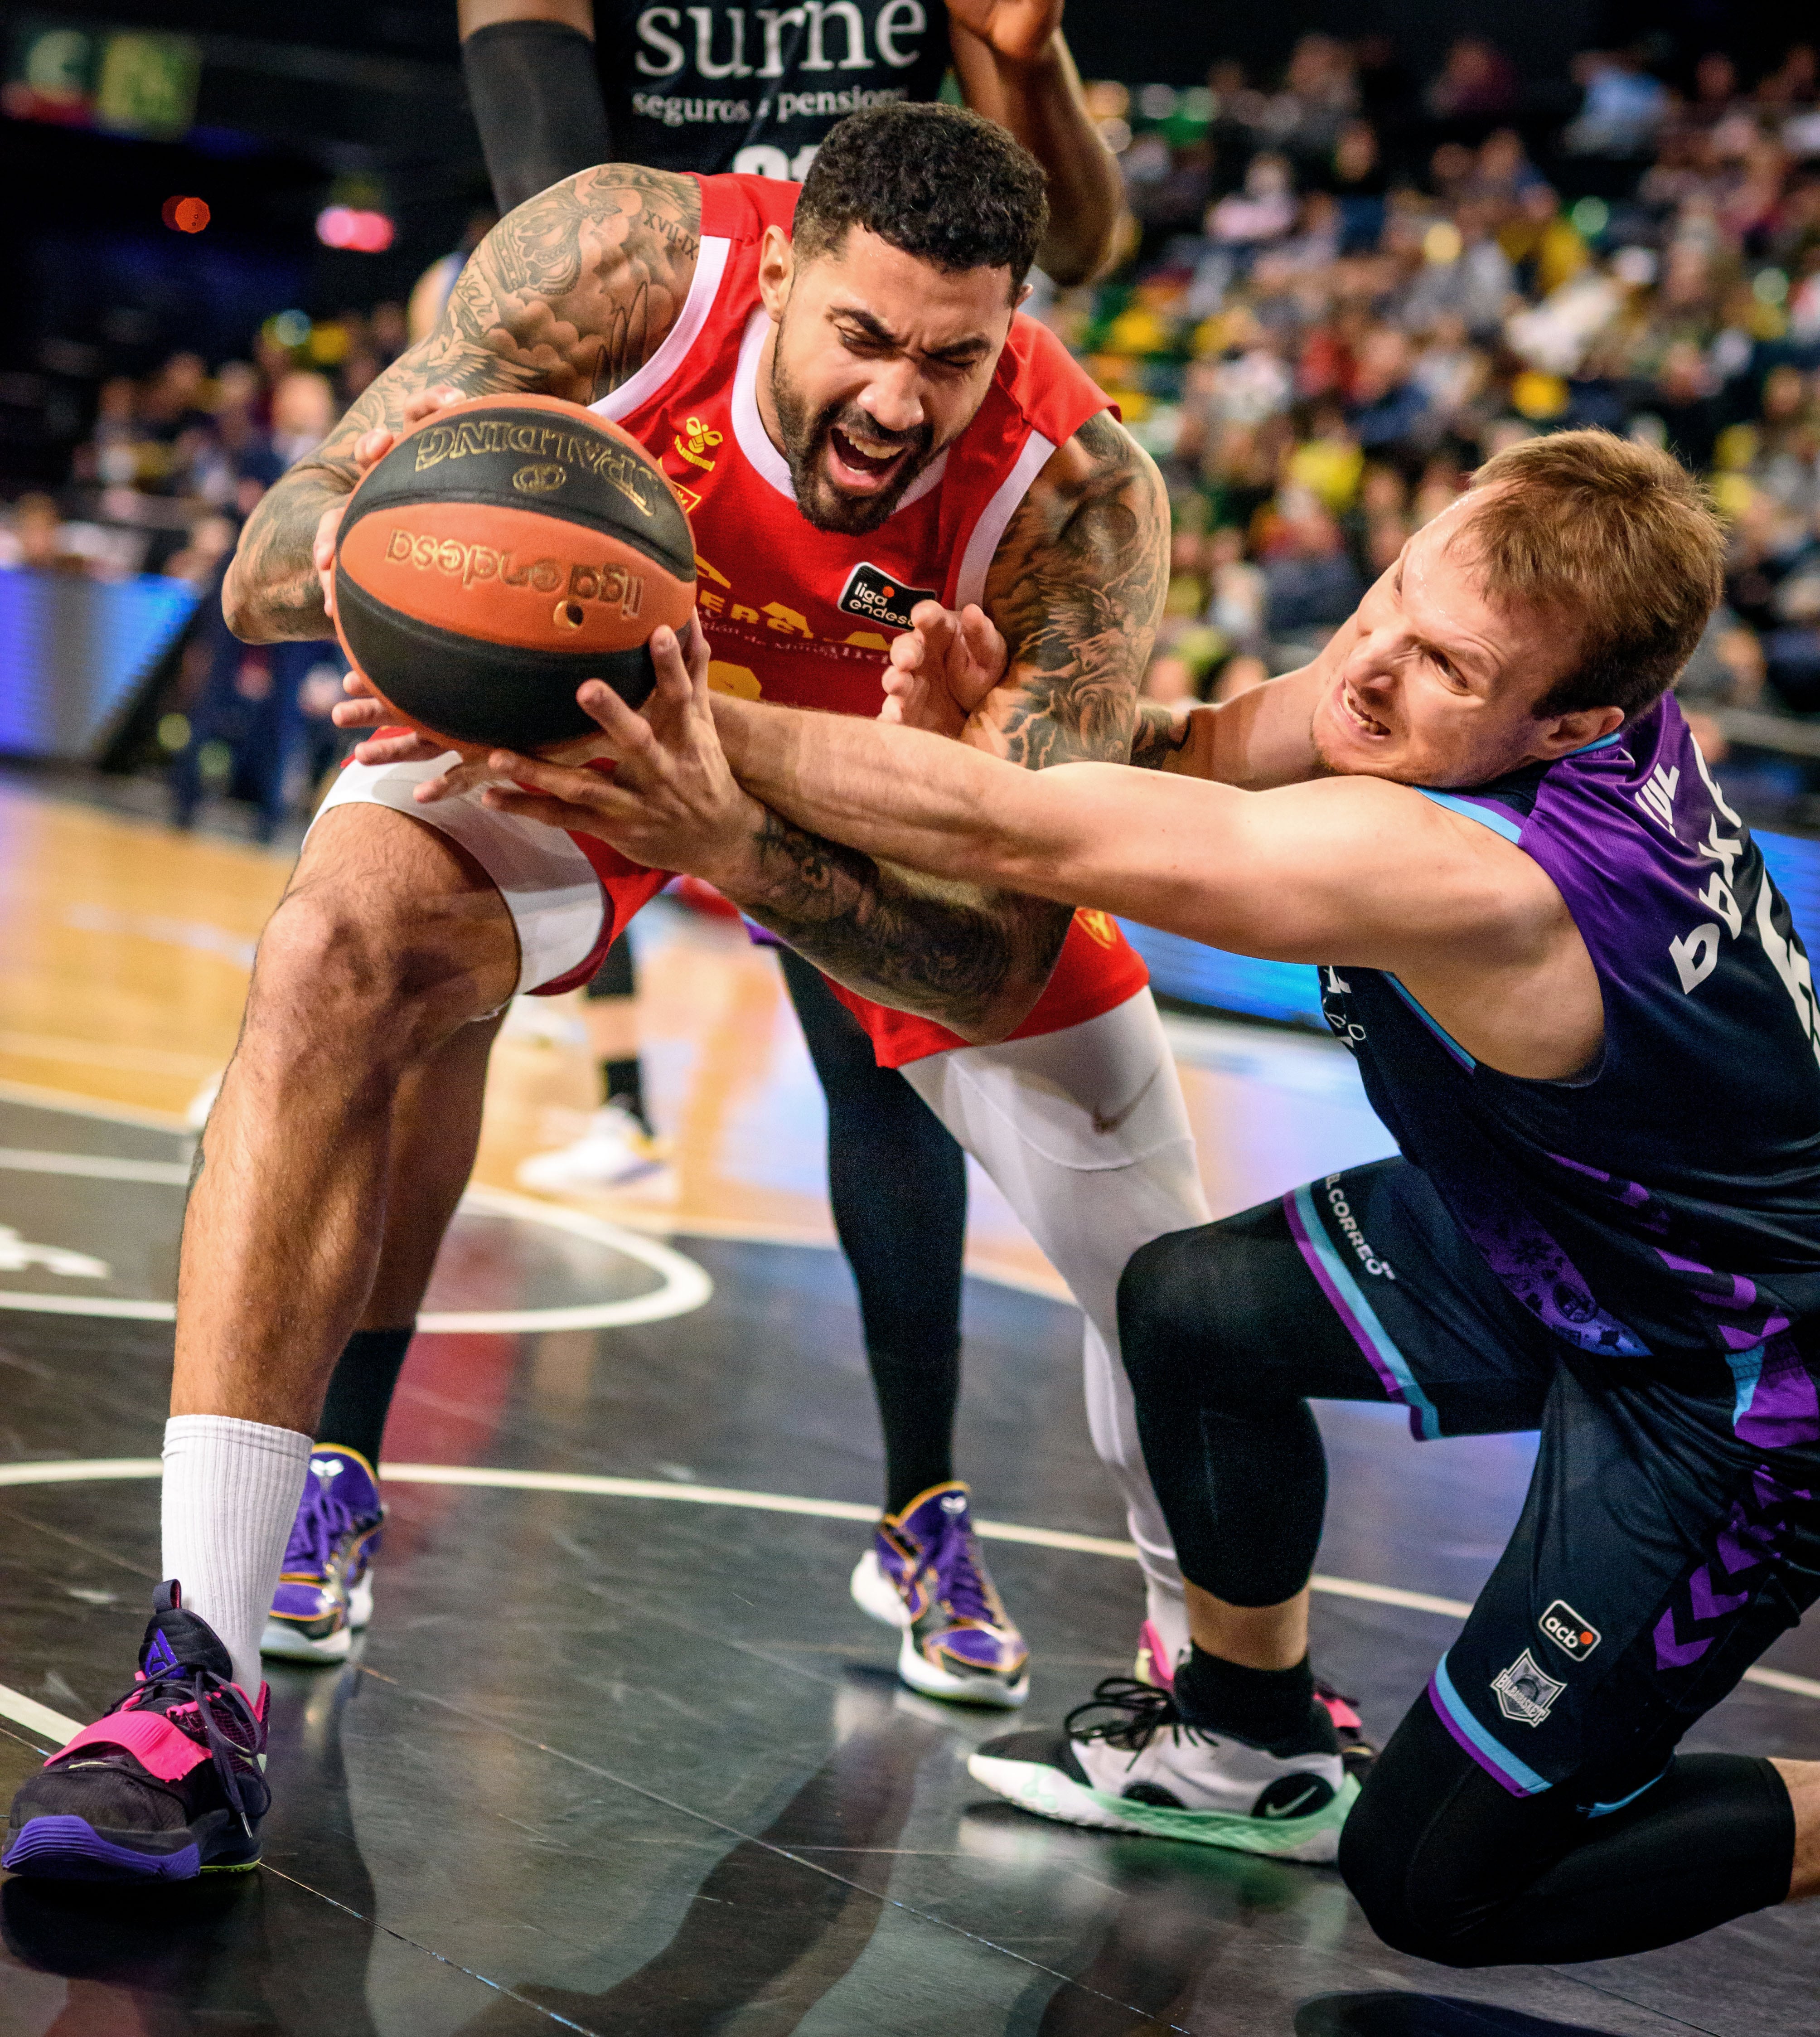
[(545, 1022), (614, 1150)]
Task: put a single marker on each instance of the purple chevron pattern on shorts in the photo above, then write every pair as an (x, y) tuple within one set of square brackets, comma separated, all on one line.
[(1719, 1589)]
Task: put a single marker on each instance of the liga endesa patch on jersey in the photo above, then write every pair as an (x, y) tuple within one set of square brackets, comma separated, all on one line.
[(879, 598)]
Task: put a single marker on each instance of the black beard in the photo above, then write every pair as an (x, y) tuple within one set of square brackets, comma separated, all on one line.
[(805, 440)]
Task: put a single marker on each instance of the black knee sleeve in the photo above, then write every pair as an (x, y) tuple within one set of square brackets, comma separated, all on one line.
[(1448, 1866), (1149, 1322)]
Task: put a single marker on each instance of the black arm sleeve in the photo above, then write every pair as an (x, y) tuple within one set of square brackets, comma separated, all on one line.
[(537, 102)]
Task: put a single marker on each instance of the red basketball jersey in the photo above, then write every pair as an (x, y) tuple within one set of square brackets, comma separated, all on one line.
[(805, 617)]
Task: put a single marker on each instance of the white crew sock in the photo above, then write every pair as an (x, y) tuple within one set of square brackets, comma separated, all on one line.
[(231, 1494)]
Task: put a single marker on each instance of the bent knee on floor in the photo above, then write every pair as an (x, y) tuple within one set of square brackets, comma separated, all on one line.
[(1411, 1896), (1172, 1321)]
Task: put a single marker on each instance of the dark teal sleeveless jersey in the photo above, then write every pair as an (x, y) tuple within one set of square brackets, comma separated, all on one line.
[(1665, 1202)]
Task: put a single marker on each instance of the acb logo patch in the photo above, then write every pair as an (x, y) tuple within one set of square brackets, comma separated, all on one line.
[(1572, 1635)]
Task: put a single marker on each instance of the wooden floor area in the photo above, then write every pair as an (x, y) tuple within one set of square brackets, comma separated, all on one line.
[(124, 953)]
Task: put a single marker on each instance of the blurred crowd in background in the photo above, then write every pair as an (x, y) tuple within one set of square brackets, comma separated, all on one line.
[(1343, 288), (1346, 290), (175, 465)]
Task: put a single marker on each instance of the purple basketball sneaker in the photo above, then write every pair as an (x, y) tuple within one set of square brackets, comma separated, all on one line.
[(325, 1593), (169, 1784), (924, 1573)]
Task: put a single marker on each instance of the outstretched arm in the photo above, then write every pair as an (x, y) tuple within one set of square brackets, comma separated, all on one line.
[(567, 296), (1074, 590), (1351, 870), (1015, 67)]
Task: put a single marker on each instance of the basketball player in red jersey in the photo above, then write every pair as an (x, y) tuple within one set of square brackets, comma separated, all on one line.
[(886, 427)]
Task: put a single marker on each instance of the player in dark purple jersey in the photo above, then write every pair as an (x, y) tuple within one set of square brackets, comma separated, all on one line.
[(1579, 1002)]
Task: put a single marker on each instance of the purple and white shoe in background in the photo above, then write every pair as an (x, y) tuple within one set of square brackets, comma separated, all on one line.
[(924, 1573), (325, 1594), (168, 1785)]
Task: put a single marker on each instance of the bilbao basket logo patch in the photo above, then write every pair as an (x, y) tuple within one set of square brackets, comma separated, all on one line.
[(1525, 1692), (880, 598), (1572, 1635)]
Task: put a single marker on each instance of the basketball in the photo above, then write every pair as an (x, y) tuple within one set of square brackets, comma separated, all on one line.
[(501, 554)]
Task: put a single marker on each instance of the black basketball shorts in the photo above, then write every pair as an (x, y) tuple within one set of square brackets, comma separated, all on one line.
[(1672, 1527)]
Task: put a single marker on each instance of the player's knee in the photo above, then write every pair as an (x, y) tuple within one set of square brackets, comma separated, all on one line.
[(349, 974), (1397, 1867), (1169, 1319)]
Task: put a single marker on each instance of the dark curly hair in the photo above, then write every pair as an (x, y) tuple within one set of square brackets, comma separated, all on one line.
[(945, 185)]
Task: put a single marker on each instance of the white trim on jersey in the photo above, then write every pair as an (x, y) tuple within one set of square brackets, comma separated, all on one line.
[(971, 584), (761, 456), (710, 266)]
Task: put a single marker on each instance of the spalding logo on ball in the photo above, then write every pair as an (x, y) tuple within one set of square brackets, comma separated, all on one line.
[(502, 553)]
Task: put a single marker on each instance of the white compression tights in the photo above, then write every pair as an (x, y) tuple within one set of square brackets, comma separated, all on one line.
[(1086, 1135)]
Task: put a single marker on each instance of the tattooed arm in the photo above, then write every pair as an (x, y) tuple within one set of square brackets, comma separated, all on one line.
[(569, 295), (1075, 589)]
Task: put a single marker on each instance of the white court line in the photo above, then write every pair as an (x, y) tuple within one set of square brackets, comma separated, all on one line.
[(683, 1286), (662, 1225), (36, 1098), (93, 1166), (28, 1712)]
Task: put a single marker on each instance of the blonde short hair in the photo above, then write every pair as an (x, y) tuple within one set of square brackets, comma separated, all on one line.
[(1618, 541)]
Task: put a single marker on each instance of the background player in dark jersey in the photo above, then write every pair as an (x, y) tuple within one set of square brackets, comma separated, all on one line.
[(1578, 1001), (557, 86)]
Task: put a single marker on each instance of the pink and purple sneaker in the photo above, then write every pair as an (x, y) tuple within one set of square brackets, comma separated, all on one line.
[(168, 1785), (924, 1575), (325, 1594)]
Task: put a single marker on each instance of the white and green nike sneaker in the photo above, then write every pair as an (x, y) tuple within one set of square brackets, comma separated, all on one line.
[(1140, 1768)]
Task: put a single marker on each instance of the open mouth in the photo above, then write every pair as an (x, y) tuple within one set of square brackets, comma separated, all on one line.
[(862, 464), (1366, 724)]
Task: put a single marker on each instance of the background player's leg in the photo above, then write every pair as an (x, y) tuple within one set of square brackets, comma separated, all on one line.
[(618, 1145), (898, 1184), (325, 1594), (389, 940), (1085, 1132)]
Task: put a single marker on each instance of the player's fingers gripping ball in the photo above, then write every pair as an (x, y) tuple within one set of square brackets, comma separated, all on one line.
[(502, 553)]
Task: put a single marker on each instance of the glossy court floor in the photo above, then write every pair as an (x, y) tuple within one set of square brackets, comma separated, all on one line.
[(618, 1754)]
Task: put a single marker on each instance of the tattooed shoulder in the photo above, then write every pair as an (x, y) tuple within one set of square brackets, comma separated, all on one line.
[(1076, 586), (578, 286), (569, 295)]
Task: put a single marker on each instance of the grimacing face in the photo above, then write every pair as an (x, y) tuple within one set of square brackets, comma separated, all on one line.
[(876, 361), (1432, 684)]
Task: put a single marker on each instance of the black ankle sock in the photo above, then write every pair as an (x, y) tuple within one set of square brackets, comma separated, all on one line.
[(1271, 1708), (360, 1393), (623, 1081)]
